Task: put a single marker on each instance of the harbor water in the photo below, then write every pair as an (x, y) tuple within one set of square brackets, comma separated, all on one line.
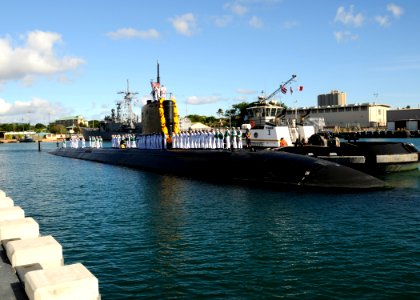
[(145, 235)]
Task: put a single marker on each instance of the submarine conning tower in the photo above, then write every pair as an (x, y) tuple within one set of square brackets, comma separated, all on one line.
[(160, 114)]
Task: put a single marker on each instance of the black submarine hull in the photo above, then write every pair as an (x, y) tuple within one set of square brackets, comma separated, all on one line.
[(268, 168)]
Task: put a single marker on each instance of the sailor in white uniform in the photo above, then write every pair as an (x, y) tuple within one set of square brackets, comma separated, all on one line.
[(233, 135), (227, 138), (216, 135), (164, 142), (173, 140), (239, 138), (133, 141)]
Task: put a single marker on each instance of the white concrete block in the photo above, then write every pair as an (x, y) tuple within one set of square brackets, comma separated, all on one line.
[(19, 228), (11, 213), (44, 250), (62, 283), (2, 194), (6, 202)]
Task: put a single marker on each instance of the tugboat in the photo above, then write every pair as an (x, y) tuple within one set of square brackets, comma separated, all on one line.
[(122, 120), (263, 168), (268, 125), (271, 131), (27, 139)]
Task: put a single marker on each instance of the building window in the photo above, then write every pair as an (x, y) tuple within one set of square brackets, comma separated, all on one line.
[(348, 108), (364, 108), (341, 109), (356, 108), (379, 112)]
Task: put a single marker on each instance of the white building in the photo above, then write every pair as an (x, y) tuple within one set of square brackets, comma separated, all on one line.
[(364, 115)]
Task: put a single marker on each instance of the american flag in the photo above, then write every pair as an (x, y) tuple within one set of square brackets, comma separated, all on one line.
[(154, 84), (283, 89)]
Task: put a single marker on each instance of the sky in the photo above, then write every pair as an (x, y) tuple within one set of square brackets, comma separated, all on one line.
[(63, 58)]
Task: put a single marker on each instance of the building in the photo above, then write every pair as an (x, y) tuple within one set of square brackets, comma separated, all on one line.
[(333, 98), (406, 118), (364, 115), (71, 122)]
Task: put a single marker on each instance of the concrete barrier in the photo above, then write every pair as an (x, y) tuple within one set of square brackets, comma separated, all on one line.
[(19, 229), (11, 213), (6, 202), (38, 262), (65, 282), (44, 250)]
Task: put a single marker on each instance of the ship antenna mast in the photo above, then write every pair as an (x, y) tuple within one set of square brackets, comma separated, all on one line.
[(127, 113), (158, 77)]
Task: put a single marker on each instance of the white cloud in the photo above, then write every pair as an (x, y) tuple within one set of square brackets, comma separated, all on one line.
[(349, 18), (33, 111), (36, 57), (255, 22), (196, 100), (222, 21), (344, 36), (289, 24), (383, 21), (129, 33), (236, 7), (185, 24), (396, 11)]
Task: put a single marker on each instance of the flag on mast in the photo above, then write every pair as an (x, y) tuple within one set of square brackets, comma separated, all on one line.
[(283, 89)]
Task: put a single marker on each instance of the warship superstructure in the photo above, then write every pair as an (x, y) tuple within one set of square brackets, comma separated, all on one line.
[(121, 121)]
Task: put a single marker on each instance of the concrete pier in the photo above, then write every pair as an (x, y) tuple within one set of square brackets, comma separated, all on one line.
[(32, 266)]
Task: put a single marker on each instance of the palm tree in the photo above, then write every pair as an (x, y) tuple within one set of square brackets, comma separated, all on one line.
[(220, 114)]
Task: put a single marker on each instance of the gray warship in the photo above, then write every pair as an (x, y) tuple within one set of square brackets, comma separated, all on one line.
[(121, 121)]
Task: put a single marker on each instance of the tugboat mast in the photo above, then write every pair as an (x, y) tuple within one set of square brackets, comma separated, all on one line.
[(278, 90)]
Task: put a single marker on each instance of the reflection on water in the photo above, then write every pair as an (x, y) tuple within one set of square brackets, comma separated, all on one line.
[(409, 179)]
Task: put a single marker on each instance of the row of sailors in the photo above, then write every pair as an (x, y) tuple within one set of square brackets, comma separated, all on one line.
[(204, 139), (80, 142), (129, 140), (146, 141), (193, 139)]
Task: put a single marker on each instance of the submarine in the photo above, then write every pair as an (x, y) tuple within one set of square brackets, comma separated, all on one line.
[(277, 170), (273, 169)]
